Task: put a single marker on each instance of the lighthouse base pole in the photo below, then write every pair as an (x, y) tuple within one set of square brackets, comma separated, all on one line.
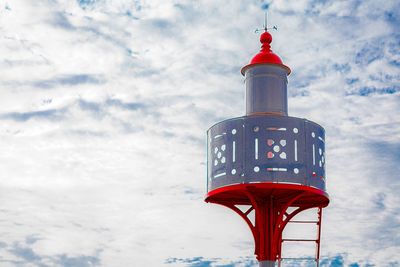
[(266, 263)]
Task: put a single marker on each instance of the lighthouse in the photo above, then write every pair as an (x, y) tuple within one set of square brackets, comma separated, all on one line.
[(266, 161)]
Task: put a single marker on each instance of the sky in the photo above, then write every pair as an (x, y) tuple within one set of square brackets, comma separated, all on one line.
[(104, 108)]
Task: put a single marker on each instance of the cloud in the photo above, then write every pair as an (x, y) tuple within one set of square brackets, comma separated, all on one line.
[(24, 254), (61, 20), (202, 262), (105, 105)]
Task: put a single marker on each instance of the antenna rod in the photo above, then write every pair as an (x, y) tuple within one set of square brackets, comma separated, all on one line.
[(265, 20)]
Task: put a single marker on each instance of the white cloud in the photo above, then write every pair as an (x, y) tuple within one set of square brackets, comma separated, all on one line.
[(104, 108)]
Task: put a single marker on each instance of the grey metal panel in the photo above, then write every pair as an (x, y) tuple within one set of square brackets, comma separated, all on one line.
[(276, 157), (266, 263), (266, 90), (225, 141), (255, 149), (315, 139)]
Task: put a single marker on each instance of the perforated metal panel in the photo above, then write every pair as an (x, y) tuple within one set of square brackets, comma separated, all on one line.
[(255, 149)]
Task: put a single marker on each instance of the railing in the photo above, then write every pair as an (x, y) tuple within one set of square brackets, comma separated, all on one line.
[(255, 149)]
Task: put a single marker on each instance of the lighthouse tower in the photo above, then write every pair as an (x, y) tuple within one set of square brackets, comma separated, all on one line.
[(272, 163)]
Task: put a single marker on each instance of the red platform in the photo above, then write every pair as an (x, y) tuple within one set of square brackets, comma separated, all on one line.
[(270, 202)]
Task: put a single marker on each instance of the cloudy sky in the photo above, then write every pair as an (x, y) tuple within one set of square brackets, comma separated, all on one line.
[(104, 107)]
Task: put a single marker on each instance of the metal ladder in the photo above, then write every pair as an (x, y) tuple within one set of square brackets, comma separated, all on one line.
[(317, 240)]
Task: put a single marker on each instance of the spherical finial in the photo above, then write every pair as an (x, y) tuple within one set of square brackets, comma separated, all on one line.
[(265, 37)]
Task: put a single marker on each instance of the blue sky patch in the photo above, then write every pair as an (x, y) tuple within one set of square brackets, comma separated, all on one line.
[(50, 114), (68, 80), (86, 3), (366, 91)]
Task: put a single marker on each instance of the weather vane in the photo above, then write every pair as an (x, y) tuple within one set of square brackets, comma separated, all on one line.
[(265, 7)]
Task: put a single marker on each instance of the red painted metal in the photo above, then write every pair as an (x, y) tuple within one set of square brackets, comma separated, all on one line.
[(318, 236), (265, 56), (270, 202)]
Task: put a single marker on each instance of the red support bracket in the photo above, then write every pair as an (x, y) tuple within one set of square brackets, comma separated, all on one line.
[(273, 209), (270, 223)]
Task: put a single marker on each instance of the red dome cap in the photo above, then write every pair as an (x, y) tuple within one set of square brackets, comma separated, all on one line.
[(265, 56)]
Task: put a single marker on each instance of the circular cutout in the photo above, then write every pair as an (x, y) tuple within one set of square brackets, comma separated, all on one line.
[(313, 134), (256, 128), (283, 142), (256, 169), (233, 131), (277, 148), (296, 171), (320, 151), (215, 150), (219, 155), (320, 164), (233, 171), (215, 162), (223, 147), (283, 155), (223, 160), (295, 130)]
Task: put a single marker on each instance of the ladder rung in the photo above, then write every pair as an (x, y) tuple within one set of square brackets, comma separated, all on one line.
[(304, 259), (300, 240), (303, 221)]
